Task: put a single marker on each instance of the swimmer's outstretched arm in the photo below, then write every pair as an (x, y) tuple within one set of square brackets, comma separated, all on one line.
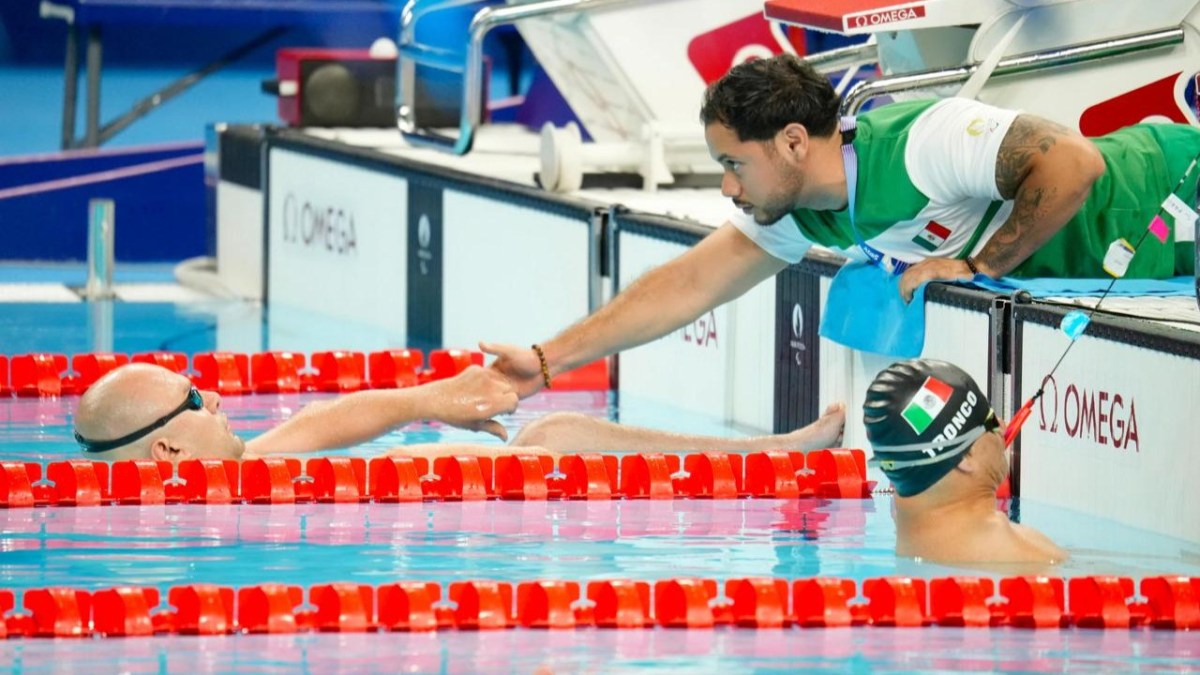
[(574, 432), (469, 400)]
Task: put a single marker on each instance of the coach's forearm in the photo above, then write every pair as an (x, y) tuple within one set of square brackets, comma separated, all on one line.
[(720, 268), (659, 302)]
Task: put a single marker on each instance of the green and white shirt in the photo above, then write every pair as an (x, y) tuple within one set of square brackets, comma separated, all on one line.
[(927, 188)]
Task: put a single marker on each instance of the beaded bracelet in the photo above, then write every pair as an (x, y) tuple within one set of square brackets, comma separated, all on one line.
[(971, 265), (545, 368)]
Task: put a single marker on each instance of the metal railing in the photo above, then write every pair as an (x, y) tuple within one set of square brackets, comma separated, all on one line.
[(833, 60), (470, 65), (1053, 58)]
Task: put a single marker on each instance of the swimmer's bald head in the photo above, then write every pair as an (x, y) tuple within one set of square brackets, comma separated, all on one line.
[(133, 398)]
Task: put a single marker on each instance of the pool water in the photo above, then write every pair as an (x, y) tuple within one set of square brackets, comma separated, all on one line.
[(307, 544)]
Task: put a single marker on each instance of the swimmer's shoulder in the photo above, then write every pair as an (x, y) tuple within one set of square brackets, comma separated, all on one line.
[(1038, 544)]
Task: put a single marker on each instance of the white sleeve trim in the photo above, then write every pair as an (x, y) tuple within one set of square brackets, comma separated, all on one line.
[(782, 239), (952, 149)]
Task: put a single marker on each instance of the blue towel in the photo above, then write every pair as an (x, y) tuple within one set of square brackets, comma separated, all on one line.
[(864, 311), (1070, 288)]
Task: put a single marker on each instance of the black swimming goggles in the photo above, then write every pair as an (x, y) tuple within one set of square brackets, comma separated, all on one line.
[(194, 401)]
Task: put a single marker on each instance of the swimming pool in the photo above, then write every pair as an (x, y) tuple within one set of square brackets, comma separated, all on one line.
[(509, 541)]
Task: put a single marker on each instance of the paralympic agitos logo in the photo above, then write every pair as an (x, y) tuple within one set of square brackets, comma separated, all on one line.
[(320, 226), (1104, 417)]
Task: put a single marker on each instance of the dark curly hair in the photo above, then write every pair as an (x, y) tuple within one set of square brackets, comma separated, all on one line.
[(758, 98)]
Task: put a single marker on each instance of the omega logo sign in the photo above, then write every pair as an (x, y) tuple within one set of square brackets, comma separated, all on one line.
[(1103, 417), (424, 236), (751, 52), (319, 226), (885, 16), (703, 331)]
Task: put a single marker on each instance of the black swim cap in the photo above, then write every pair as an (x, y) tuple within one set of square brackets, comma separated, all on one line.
[(921, 418)]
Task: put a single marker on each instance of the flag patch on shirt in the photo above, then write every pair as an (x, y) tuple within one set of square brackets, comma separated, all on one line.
[(933, 236), (925, 405)]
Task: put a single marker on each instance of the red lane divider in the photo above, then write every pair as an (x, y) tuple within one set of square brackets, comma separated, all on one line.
[(684, 603), (648, 476), (826, 603), (591, 377), (445, 363), (269, 608), (142, 481), (276, 480), (7, 602), (549, 604), (343, 607), (759, 603), (210, 481), (1099, 602), (228, 373), (38, 374), (840, 473), (206, 609), (896, 601), (276, 372), (395, 368), (773, 474), (176, 361), (202, 609), (396, 479), (16, 483), (523, 476), (340, 371), (222, 372), (124, 612), (270, 480), (409, 606), (338, 479), (92, 367), (589, 476), (462, 478), (79, 482), (482, 605), (1035, 602), (714, 475), (961, 601), (1173, 602), (58, 612), (620, 604)]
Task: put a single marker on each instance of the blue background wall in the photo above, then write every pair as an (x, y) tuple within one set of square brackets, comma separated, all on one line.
[(160, 217)]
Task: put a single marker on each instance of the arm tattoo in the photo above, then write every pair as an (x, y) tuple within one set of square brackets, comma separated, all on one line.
[(1002, 253), (1027, 137)]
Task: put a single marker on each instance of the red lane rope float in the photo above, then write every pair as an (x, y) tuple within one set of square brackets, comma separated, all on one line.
[(837, 474), (227, 373), (1166, 602)]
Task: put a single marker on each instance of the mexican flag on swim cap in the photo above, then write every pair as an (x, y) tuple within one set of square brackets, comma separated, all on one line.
[(921, 417), (927, 404)]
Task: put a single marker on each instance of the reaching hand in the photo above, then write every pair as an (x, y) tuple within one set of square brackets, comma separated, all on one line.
[(932, 269), (472, 398), (519, 364)]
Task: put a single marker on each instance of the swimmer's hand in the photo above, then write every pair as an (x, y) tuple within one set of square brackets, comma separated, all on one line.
[(471, 399), (520, 365), (932, 269)]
